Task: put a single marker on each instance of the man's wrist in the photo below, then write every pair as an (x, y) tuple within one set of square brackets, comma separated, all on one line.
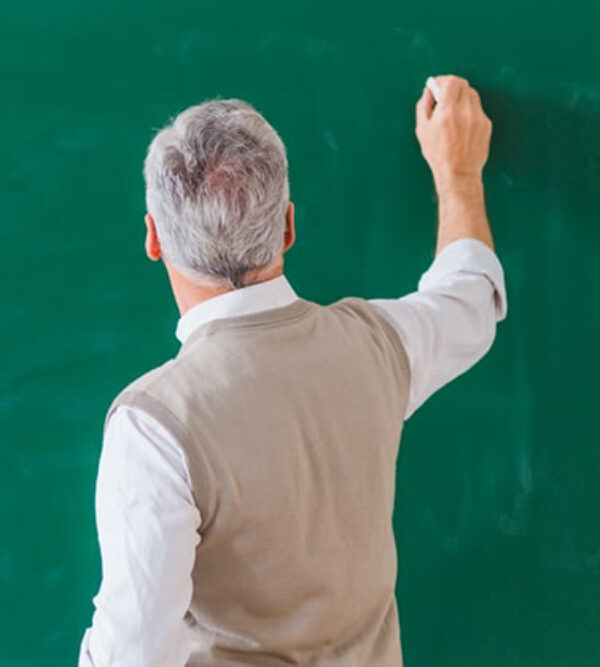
[(461, 209), (449, 184)]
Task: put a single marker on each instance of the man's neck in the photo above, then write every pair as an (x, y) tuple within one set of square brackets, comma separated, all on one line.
[(188, 294)]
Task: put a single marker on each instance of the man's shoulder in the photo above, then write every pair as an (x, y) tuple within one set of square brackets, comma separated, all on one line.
[(142, 389), (148, 380), (363, 309), (374, 320)]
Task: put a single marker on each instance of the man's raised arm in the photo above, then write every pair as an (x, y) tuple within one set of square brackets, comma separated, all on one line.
[(449, 323)]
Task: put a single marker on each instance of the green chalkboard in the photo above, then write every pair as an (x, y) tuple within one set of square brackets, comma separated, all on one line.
[(498, 475)]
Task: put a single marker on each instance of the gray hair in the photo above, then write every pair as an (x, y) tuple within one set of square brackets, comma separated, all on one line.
[(217, 188)]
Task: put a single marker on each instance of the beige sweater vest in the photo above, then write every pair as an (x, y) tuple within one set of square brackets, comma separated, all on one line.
[(290, 421)]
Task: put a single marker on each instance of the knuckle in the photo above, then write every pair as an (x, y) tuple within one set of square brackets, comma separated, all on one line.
[(458, 80), (446, 118)]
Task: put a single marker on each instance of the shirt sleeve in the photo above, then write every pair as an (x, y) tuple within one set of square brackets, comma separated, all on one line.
[(449, 323), (148, 530)]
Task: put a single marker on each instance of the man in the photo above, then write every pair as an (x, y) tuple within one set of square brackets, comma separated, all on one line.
[(246, 487)]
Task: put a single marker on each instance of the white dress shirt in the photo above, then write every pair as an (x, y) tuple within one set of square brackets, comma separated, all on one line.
[(148, 523)]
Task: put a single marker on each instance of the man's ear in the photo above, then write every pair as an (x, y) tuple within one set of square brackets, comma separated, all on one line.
[(152, 244), (290, 231)]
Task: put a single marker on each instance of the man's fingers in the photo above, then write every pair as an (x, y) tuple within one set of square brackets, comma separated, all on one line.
[(476, 107), (424, 106), (451, 89), (474, 100)]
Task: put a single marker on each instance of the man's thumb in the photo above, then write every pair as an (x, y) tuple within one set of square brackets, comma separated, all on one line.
[(424, 107)]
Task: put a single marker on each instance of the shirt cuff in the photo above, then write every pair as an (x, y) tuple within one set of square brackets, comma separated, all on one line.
[(471, 256)]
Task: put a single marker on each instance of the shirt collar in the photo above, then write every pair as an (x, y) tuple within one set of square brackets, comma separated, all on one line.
[(273, 293)]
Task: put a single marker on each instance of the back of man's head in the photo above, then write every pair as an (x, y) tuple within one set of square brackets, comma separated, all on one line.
[(217, 188)]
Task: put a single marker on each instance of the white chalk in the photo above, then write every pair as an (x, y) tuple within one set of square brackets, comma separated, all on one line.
[(433, 87)]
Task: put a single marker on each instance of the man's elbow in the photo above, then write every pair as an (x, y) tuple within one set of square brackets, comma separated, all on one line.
[(495, 313), (490, 337), (489, 329), (483, 336)]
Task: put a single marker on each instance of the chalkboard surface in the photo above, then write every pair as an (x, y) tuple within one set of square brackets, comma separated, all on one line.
[(498, 474)]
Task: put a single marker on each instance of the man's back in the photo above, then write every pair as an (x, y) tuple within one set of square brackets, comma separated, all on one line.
[(245, 488), (293, 418)]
